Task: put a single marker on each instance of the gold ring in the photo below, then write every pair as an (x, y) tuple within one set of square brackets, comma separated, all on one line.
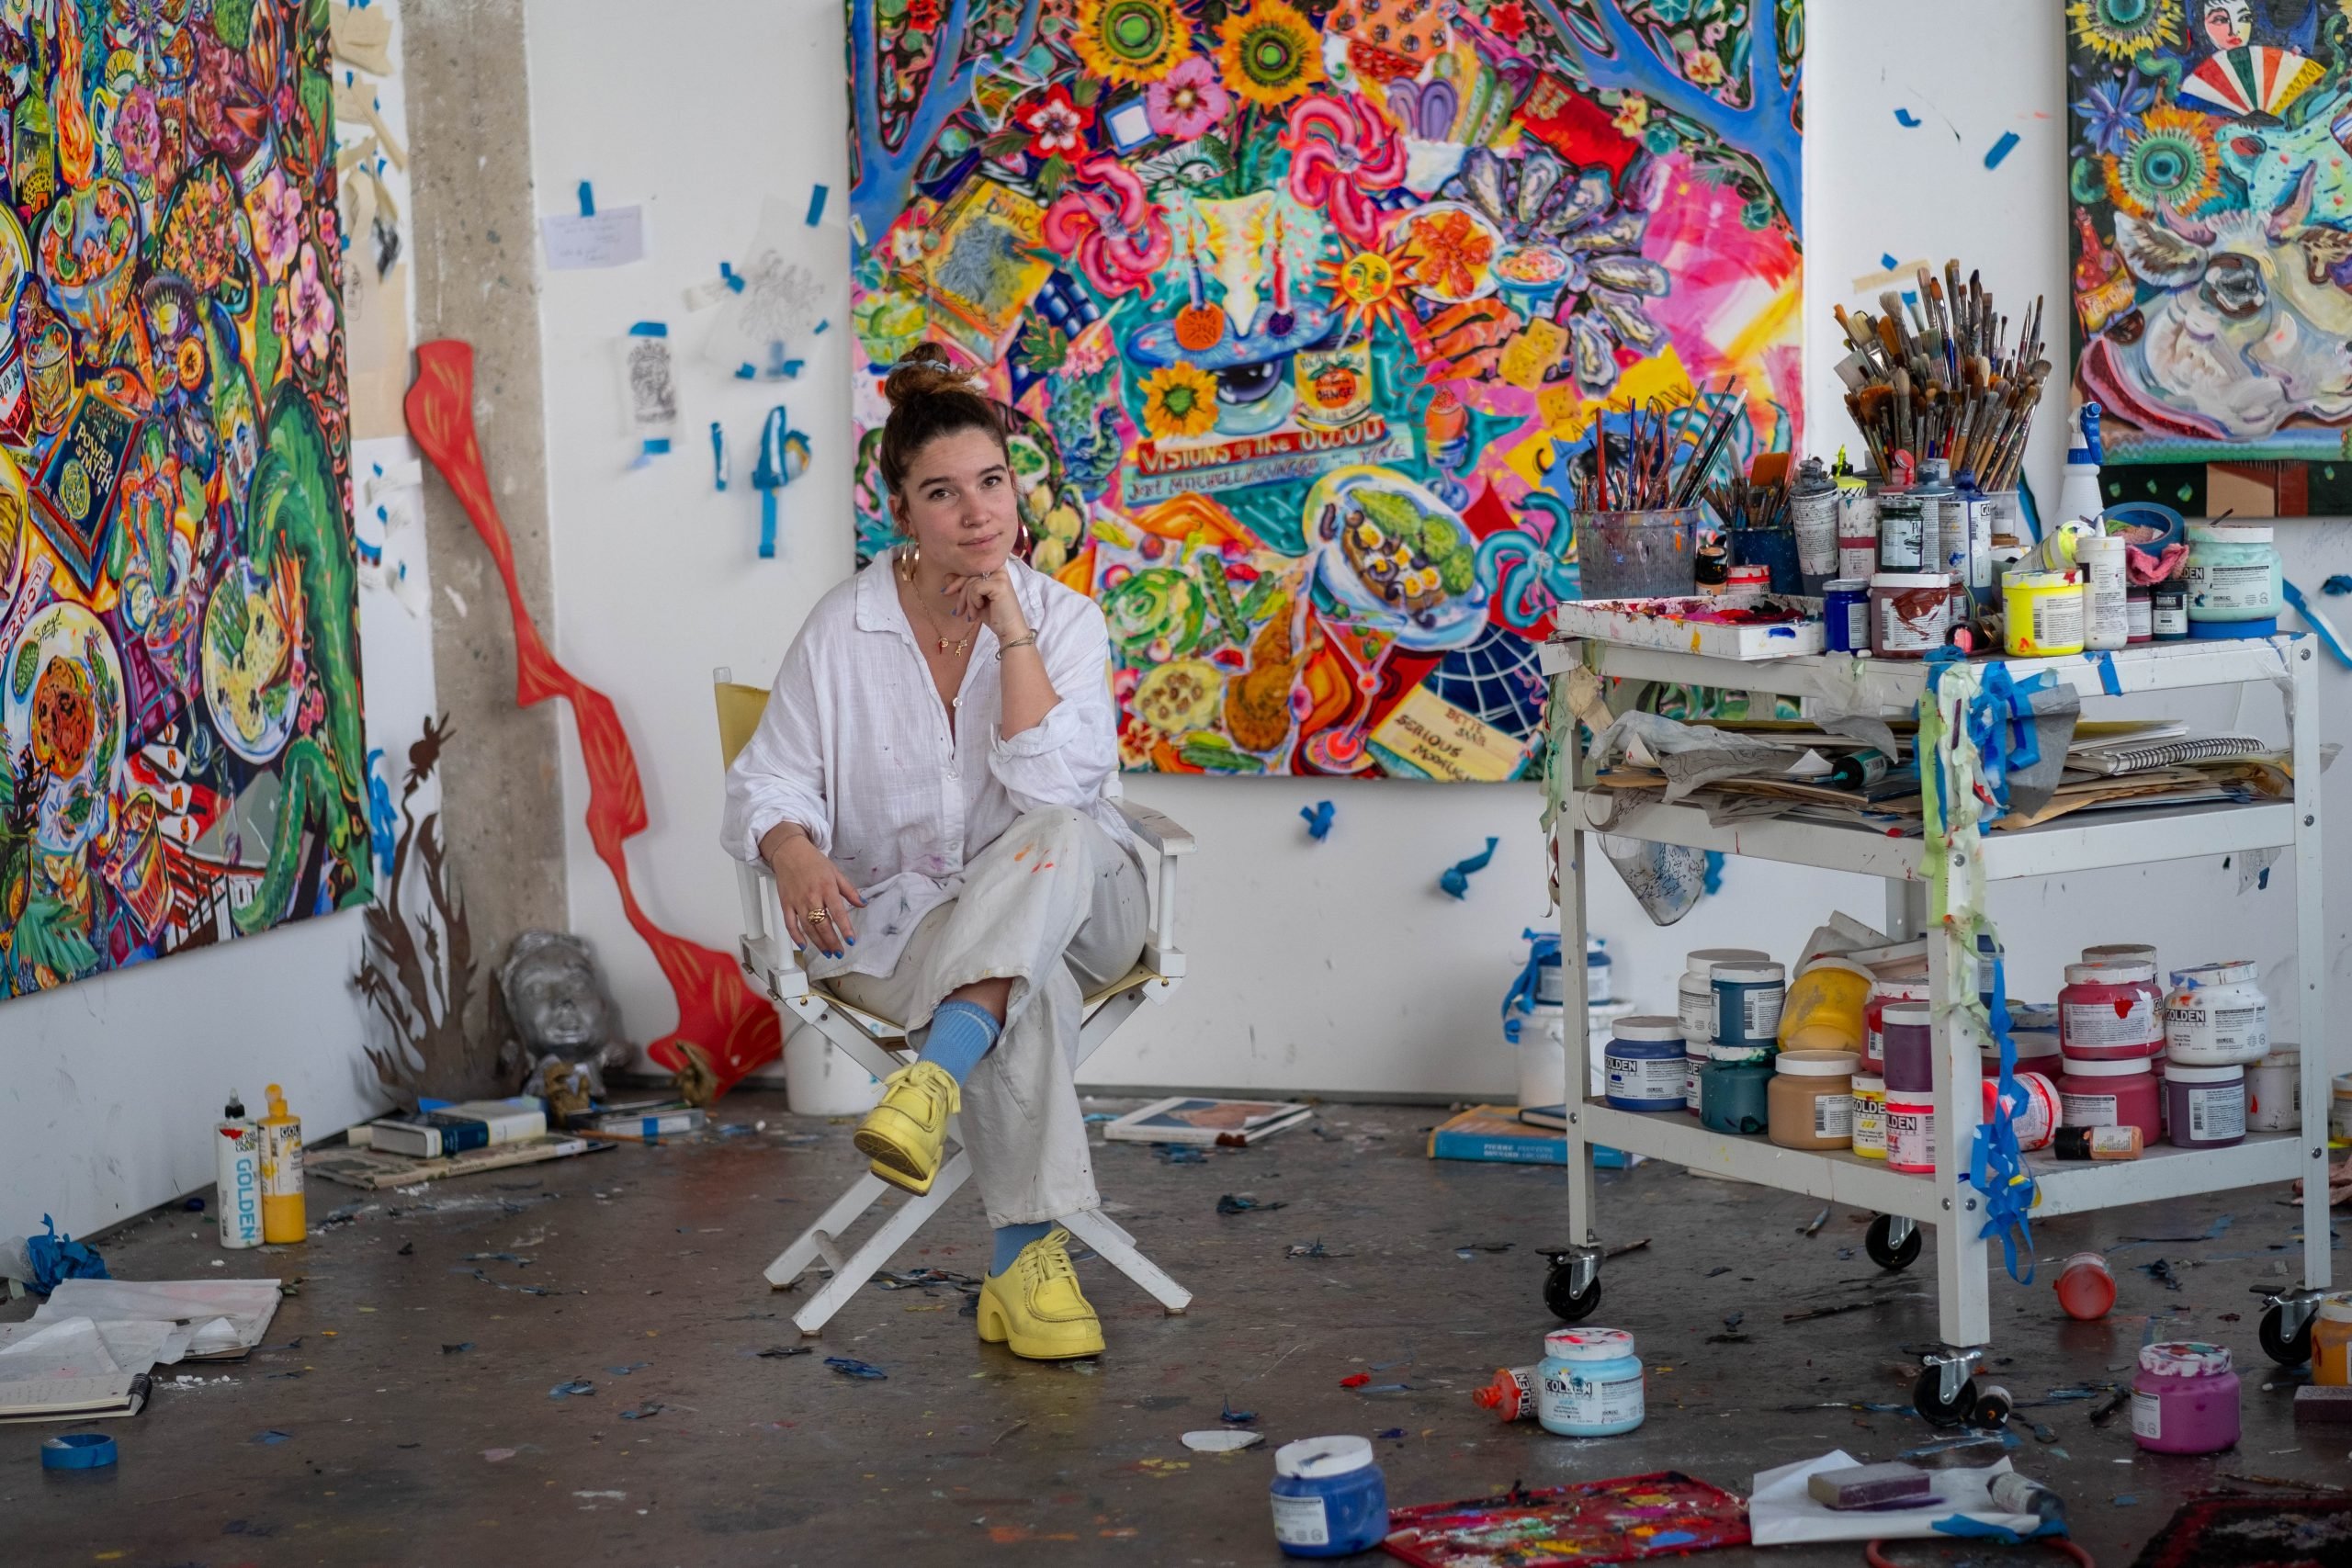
[(815, 915)]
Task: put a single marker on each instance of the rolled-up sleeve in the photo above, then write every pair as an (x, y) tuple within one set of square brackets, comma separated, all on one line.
[(779, 776), (1065, 758)]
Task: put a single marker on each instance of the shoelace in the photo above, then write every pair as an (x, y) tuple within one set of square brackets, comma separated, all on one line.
[(1051, 1262)]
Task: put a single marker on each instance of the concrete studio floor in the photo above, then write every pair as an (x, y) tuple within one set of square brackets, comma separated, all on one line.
[(400, 1413)]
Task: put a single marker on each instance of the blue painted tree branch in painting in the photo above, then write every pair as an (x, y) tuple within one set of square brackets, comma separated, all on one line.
[(882, 175)]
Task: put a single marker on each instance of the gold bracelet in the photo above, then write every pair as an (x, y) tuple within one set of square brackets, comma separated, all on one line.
[(1004, 647)]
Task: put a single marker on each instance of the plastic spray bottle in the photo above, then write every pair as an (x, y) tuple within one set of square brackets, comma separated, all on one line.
[(2079, 495), (282, 1216), (236, 1196)]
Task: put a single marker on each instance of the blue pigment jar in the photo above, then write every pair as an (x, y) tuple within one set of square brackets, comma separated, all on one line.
[(1846, 616), (1747, 1003), (1330, 1499), (1645, 1061), (1588, 1383), (1734, 1092)]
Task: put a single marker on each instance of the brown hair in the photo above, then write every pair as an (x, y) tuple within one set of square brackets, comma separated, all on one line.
[(929, 398)]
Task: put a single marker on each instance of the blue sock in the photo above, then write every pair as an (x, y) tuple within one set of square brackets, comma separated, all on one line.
[(1011, 1239), (961, 1033)]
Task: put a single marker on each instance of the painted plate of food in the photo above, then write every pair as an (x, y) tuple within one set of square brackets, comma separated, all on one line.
[(1393, 552)]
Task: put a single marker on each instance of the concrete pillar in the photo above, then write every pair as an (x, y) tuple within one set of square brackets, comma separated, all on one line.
[(468, 85)]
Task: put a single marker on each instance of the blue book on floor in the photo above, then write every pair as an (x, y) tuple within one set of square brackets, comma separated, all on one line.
[(1497, 1133)]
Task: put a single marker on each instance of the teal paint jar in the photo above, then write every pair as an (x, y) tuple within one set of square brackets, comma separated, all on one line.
[(2234, 581), (1329, 1497), (1734, 1092), (1588, 1383)]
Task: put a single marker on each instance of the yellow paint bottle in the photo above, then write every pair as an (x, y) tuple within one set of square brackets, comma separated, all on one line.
[(282, 1216)]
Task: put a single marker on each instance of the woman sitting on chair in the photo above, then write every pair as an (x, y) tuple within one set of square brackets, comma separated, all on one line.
[(931, 784)]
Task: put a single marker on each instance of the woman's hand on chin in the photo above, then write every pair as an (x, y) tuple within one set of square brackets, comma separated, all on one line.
[(816, 897), (988, 599)]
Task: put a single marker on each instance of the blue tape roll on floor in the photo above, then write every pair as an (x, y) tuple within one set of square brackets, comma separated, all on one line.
[(77, 1451)]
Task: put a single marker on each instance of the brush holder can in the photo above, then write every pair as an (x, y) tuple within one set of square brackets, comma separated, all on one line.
[(1638, 555)]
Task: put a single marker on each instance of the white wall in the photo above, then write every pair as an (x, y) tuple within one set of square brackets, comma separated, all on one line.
[(109, 1089), (1335, 966)]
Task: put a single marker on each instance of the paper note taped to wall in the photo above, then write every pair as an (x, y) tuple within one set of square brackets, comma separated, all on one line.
[(612, 236)]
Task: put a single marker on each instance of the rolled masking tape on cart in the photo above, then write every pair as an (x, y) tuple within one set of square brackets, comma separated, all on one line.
[(77, 1451)]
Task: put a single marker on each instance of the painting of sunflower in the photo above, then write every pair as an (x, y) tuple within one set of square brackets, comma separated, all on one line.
[(2122, 30), (1131, 40), (2168, 164), (1271, 54), (1179, 401)]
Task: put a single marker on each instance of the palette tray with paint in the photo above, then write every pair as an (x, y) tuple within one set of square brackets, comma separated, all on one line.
[(1632, 1519), (1780, 627)]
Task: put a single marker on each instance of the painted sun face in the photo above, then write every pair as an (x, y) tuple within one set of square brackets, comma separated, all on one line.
[(65, 717), (2228, 23)]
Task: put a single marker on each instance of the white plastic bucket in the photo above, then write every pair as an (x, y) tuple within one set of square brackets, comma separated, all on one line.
[(820, 1078), (1543, 1050)]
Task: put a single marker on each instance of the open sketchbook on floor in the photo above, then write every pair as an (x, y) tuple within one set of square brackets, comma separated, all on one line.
[(1197, 1119)]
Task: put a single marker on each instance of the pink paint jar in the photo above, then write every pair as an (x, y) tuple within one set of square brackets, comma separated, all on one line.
[(1911, 1132), (2110, 1094), (2111, 1012), (2036, 1111), (1909, 1050), (1874, 1017), (2204, 1107), (2185, 1400)]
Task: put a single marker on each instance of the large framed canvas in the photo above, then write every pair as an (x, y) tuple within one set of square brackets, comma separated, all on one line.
[(1297, 308), (179, 667)]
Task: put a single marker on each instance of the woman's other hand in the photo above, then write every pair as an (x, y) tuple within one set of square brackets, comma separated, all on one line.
[(816, 897)]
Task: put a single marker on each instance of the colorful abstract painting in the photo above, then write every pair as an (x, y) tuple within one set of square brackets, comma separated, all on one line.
[(1299, 309), (179, 664), (2212, 196)]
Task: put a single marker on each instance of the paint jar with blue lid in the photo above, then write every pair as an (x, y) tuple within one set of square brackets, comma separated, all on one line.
[(1846, 615), (1588, 1383), (1330, 1498), (1747, 1003), (2234, 581), (1645, 1063)]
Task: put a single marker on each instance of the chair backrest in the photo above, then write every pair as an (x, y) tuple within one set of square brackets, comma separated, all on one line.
[(740, 707)]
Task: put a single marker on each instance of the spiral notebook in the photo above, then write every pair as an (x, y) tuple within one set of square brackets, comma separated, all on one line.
[(2145, 755)]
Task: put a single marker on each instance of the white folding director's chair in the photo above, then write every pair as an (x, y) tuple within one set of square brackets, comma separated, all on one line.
[(881, 1047)]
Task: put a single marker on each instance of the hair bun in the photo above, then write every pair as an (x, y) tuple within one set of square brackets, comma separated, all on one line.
[(924, 370)]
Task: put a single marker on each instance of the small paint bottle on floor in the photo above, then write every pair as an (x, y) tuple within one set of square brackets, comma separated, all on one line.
[(1512, 1396), (1329, 1497), (1588, 1383), (2086, 1289), (236, 1194), (282, 1214)]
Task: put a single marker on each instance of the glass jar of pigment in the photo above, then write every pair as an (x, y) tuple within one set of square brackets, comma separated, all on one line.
[(2185, 1400), (1811, 1100), (1695, 991), (2234, 581), (2107, 1012), (2111, 1094), (2204, 1107), (1647, 1064), (1874, 1017), (1747, 1004), (1735, 1093), (2217, 1014), (1910, 1066), (1588, 1383), (1870, 1116), (1329, 1497)]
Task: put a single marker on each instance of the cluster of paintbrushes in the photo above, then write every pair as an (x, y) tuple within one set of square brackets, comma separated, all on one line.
[(1662, 459), (1935, 381), (1746, 503)]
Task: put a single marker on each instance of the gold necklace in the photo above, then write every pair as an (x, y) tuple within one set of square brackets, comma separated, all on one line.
[(946, 644)]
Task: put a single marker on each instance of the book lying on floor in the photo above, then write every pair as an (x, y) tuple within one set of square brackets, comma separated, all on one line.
[(454, 1129), (647, 1126), (1501, 1135), (1196, 1119), (74, 1399), (375, 1169)]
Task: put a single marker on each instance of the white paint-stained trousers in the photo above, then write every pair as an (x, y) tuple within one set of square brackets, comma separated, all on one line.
[(1061, 908)]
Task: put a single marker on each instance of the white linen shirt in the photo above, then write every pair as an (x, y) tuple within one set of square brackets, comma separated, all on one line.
[(854, 747)]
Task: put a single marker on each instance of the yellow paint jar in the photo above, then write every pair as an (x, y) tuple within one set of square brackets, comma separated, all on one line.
[(1824, 1010), (2042, 613)]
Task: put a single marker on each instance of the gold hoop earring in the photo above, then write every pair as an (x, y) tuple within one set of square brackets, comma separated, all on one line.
[(910, 558)]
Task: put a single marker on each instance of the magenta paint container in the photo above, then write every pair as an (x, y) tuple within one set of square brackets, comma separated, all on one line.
[(2185, 1400), (2111, 1094), (2204, 1107), (1910, 1048)]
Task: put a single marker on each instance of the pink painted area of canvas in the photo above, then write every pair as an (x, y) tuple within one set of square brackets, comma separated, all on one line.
[(1719, 267)]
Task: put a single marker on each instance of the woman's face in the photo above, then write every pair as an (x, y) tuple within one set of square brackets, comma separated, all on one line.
[(958, 504), (2228, 23)]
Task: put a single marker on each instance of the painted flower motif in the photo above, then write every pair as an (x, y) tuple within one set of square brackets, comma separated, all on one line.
[(923, 15), (1118, 235), (147, 29), (139, 133), (1057, 126), (1340, 150), (2124, 30), (309, 310), (2111, 110), (1189, 102), (1702, 68), (1131, 40), (275, 208), (1271, 54), (1179, 401), (1632, 114), (2170, 165), (1509, 20)]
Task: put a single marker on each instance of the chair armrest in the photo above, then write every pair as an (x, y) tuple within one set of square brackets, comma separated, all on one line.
[(1161, 831), (765, 946)]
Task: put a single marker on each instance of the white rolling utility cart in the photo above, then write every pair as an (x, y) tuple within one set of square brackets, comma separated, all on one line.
[(2081, 841)]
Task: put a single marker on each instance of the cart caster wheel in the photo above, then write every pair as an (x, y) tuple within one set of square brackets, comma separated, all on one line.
[(1565, 1306), (1927, 1399), (2287, 1349), (1886, 1255)]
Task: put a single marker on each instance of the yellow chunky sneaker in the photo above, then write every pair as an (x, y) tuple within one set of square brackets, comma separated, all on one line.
[(903, 1137), (1035, 1309)]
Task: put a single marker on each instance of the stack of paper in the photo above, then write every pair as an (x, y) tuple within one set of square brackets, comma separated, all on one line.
[(88, 1348)]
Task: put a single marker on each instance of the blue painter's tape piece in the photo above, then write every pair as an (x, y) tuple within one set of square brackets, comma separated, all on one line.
[(657, 446), (649, 329), (2106, 678), (820, 326), (1906, 119), (816, 195), (744, 372), (717, 456), (1455, 880), (587, 199), (77, 1451), (1318, 819), (1886, 259), (2001, 149), (767, 524), (2320, 625), (2339, 583), (730, 277)]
